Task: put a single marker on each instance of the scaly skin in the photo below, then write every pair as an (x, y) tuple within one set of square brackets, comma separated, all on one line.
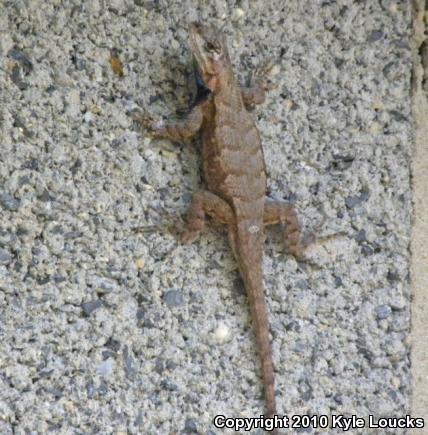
[(234, 170)]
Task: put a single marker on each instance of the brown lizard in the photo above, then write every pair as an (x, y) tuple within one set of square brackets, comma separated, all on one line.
[(234, 170)]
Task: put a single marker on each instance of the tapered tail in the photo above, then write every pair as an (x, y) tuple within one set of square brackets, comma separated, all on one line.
[(261, 330), (249, 252)]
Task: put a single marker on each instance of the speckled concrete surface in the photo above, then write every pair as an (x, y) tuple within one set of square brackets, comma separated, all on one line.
[(108, 325)]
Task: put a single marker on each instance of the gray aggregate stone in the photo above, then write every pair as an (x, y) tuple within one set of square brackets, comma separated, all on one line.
[(383, 311), (190, 426), (90, 307), (106, 368), (5, 257), (8, 202), (174, 298)]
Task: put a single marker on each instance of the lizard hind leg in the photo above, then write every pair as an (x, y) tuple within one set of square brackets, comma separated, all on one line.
[(205, 203), (279, 212)]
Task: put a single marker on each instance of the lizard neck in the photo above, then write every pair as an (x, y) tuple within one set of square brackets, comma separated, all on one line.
[(222, 82), (228, 94)]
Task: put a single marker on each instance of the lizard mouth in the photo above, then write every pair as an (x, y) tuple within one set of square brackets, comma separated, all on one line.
[(194, 26), (196, 39), (197, 43)]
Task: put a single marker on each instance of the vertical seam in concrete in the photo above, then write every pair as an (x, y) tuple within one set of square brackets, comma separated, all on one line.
[(419, 243)]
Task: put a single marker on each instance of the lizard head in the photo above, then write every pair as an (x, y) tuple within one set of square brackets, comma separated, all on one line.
[(209, 48)]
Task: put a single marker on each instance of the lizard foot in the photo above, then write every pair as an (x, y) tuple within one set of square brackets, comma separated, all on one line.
[(263, 75), (153, 125), (187, 235), (296, 245)]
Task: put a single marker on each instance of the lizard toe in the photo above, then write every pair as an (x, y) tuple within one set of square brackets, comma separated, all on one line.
[(188, 237)]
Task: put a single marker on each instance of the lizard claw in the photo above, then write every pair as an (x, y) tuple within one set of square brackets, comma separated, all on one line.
[(264, 74), (185, 234), (296, 245), (152, 124), (188, 237)]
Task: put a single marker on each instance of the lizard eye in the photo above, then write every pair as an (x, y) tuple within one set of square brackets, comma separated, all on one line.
[(210, 46)]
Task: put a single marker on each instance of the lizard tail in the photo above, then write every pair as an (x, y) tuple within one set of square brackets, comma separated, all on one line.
[(261, 330), (249, 252)]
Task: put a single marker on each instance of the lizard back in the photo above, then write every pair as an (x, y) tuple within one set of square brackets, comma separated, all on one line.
[(233, 160)]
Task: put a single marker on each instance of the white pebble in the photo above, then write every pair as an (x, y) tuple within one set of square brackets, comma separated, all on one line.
[(275, 70), (222, 333), (237, 14)]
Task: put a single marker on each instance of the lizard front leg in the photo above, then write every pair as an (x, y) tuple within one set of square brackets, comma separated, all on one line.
[(260, 84), (177, 130), (279, 212), (205, 202)]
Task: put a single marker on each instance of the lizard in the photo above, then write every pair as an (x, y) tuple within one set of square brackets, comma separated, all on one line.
[(235, 174)]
